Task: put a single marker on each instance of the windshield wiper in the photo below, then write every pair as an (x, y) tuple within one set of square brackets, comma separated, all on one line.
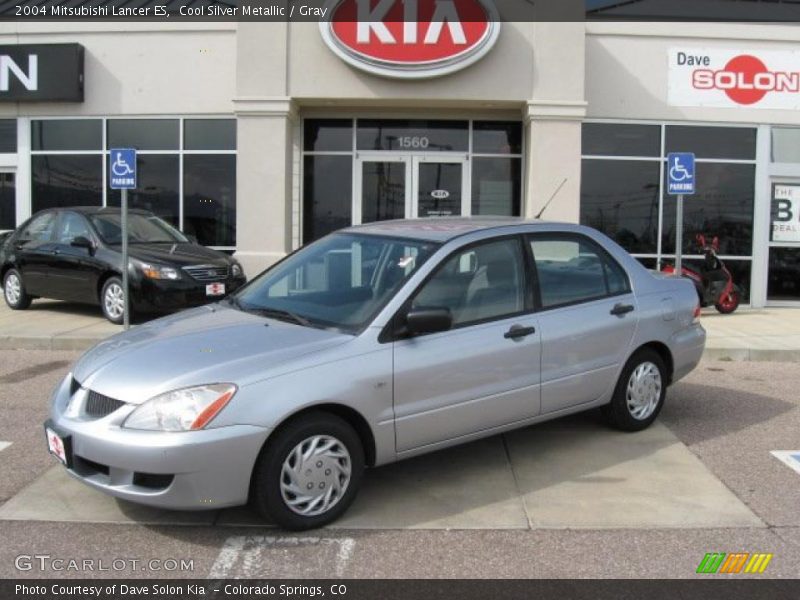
[(282, 315)]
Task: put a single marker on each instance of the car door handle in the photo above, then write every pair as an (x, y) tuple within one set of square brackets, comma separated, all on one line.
[(621, 309), (518, 331)]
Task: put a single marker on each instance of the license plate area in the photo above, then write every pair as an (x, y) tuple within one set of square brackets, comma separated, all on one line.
[(215, 289), (59, 445)]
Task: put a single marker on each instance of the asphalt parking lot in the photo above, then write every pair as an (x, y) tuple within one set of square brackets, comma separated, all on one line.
[(564, 499)]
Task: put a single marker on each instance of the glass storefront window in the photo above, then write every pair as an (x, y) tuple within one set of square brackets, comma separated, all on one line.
[(209, 134), (620, 198), (327, 195), (496, 137), (496, 186), (621, 139), (412, 135), (143, 134), (157, 187), (786, 144), (723, 207), (67, 134), (66, 180), (784, 274), (8, 135), (8, 201), (209, 198), (712, 142), (328, 135)]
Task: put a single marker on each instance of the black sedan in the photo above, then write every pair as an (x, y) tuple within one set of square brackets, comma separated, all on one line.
[(76, 254)]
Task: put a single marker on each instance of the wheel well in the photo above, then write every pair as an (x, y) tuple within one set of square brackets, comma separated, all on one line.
[(102, 281), (665, 354), (353, 418)]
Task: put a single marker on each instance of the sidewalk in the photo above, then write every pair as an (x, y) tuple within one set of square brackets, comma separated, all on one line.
[(767, 334)]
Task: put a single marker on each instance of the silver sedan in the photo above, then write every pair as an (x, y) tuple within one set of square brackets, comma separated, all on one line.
[(371, 345)]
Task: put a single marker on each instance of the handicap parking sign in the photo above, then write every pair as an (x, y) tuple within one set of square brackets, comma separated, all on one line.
[(680, 174), (122, 169)]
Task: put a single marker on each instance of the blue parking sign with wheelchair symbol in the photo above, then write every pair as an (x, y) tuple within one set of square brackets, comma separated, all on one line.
[(680, 174), (122, 169)]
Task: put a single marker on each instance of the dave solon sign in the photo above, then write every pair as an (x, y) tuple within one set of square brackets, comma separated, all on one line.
[(410, 39), (41, 73), (734, 78)]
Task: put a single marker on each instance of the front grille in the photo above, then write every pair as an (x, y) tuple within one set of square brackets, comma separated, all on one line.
[(99, 406), (207, 272)]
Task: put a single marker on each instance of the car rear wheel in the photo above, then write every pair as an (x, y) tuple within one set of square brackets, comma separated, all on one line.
[(14, 291), (112, 300), (639, 394), (309, 472)]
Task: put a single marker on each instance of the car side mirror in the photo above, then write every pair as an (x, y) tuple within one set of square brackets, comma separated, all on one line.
[(428, 320), (82, 242)]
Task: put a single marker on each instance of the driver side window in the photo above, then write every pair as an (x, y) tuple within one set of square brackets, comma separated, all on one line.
[(480, 283)]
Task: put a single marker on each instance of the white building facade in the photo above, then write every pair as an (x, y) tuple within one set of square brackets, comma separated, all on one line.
[(260, 137)]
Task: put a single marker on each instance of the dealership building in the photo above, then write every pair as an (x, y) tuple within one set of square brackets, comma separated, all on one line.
[(258, 137)]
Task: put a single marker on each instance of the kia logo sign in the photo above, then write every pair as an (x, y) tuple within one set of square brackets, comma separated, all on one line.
[(440, 194), (410, 39)]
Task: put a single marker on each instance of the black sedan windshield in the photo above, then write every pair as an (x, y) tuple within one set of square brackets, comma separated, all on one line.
[(141, 229), (341, 281)]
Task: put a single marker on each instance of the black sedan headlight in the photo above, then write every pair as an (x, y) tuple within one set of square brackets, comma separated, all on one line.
[(236, 270)]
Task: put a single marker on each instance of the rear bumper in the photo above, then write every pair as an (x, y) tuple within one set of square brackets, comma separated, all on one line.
[(687, 347)]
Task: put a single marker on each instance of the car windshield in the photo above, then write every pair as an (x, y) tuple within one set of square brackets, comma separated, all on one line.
[(141, 229), (339, 282)]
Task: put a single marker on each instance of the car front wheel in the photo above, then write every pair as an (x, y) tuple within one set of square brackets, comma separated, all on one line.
[(112, 300), (14, 291), (640, 392), (309, 472)]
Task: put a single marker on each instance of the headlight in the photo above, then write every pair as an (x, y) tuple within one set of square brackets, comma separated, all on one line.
[(182, 410), (236, 270), (158, 272)]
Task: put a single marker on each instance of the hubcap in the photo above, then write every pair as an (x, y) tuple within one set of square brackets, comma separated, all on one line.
[(114, 301), (644, 391), (315, 475), (13, 288)]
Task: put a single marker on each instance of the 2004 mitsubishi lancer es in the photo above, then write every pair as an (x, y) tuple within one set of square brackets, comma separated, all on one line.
[(373, 344)]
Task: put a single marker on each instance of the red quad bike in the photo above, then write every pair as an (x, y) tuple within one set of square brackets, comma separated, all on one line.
[(714, 282)]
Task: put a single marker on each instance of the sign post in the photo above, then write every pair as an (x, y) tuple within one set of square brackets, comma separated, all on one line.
[(680, 182), (122, 176)]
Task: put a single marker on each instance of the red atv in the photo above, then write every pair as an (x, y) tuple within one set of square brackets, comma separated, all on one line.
[(714, 282)]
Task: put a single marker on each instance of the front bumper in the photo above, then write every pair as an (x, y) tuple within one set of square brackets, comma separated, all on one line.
[(191, 470), (160, 295)]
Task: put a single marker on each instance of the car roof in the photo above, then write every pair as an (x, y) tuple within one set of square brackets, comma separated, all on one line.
[(442, 229)]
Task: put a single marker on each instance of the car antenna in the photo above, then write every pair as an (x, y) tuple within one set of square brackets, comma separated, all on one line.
[(544, 208)]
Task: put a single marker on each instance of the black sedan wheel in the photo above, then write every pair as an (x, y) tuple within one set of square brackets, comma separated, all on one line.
[(112, 300), (14, 291)]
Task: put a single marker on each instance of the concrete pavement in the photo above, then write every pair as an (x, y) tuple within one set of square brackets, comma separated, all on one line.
[(768, 334)]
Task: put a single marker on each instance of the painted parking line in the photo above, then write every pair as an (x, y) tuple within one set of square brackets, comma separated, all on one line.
[(4, 445), (253, 556), (791, 458)]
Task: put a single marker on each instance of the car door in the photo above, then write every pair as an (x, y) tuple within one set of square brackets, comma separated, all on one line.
[(32, 250), (73, 271), (587, 318), (484, 371)]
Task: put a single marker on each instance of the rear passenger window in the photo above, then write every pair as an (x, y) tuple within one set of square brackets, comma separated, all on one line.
[(40, 229), (571, 270)]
